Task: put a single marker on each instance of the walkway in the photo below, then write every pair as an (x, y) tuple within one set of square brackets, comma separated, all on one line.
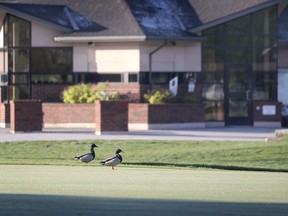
[(226, 133)]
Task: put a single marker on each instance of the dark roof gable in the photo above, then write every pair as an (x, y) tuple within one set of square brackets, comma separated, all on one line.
[(57, 14), (164, 18)]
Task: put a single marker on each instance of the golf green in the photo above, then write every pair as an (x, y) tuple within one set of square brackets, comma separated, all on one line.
[(164, 190)]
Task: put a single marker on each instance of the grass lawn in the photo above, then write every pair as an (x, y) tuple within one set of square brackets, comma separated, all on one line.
[(230, 155), (90, 190)]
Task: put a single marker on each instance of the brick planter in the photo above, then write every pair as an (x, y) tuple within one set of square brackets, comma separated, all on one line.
[(26, 115), (111, 116), (61, 115), (165, 116)]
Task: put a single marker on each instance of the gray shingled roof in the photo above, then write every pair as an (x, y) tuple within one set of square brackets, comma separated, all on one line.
[(213, 12), (114, 15), (210, 10), (56, 14), (164, 18), (125, 18)]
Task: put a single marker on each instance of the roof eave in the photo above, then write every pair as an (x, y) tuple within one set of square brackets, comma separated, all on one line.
[(86, 39), (176, 38), (233, 16)]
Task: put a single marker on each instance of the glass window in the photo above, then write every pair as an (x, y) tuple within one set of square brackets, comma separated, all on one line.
[(160, 78), (144, 78), (213, 77), (52, 60), (214, 36), (213, 92), (214, 111), (18, 32), (213, 59), (87, 77), (239, 26), (51, 78), (18, 92), (265, 85), (239, 56), (238, 41), (265, 41), (265, 59), (18, 60), (110, 77), (19, 79), (132, 77), (265, 22)]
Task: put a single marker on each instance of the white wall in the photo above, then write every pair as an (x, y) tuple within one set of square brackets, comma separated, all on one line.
[(133, 57), (183, 57), (119, 58), (42, 36)]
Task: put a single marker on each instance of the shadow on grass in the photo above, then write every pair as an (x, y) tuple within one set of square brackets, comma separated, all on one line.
[(16, 204), (221, 167)]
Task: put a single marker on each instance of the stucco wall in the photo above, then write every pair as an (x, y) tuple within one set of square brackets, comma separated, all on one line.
[(181, 57), (134, 57), (42, 36)]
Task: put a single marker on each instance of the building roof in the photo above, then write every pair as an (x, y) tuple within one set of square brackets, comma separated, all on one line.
[(139, 20), (214, 12), (172, 18), (59, 15), (282, 26)]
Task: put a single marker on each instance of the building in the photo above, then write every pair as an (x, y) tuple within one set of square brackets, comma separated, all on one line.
[(234, 52)]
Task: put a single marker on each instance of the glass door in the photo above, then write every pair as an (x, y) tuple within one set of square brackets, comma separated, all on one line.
[(238, 100)]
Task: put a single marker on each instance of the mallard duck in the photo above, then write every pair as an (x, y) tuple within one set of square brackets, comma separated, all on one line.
[(113, 161), (88, 157)]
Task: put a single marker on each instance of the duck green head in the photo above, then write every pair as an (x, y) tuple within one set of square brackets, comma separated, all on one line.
[(118, 151), (94, 146)]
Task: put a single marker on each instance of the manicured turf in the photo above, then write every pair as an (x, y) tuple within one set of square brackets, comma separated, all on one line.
[(247, 155), (85, 190)]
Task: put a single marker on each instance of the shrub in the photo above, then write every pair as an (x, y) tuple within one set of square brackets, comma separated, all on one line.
[(85, 93), (158, 96)]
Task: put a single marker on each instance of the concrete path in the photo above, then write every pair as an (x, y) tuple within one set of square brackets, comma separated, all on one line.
[(225, 133)]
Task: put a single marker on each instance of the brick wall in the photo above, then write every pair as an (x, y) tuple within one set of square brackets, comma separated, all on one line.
[(138, 113), (26, 115), (111, 116), (176, 113), (164, 116), (69, 115)]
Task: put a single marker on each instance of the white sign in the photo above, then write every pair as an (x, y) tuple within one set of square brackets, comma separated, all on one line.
[(269, 110), (173, 86), (191, 86)]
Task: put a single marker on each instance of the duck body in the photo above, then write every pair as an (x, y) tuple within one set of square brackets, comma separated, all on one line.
[(88, 157), (113, 161)]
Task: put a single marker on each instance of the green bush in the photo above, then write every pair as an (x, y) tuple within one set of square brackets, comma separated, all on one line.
[(85, 93), (158, 96)]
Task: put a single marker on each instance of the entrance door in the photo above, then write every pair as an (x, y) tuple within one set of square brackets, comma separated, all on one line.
[(238, 96)]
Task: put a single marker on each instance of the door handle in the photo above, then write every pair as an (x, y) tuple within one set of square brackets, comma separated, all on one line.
[(248, 98)]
